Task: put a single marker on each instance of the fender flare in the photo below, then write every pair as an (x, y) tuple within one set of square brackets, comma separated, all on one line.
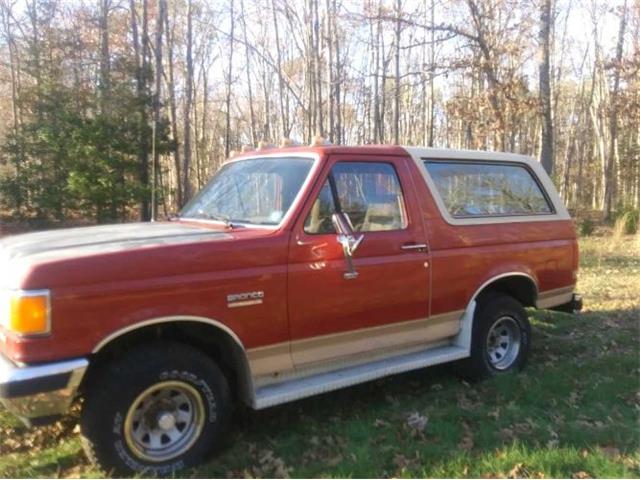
[(463, 339), (245, 379)]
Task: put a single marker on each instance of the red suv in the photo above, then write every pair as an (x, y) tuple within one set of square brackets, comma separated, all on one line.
[(295, 271)]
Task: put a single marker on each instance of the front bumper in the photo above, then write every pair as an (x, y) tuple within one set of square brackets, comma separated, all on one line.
[(38, 394)]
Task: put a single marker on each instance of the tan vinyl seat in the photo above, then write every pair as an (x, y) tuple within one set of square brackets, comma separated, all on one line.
[(383, 214)]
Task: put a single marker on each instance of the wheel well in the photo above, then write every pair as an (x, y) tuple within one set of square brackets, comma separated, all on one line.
[(214, 342), (519, 287)]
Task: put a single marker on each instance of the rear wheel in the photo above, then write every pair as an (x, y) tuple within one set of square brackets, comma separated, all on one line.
[(158, 409), (501, 337)]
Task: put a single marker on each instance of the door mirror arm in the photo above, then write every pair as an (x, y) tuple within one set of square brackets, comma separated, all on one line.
[(347, 240)]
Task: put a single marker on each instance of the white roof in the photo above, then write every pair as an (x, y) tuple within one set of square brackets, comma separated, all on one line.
[(430, 152)]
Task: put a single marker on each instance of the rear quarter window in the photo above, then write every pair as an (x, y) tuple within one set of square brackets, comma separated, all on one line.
[(483, 189)]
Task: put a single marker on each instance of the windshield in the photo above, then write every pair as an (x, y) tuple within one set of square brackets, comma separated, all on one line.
[(256, 191)]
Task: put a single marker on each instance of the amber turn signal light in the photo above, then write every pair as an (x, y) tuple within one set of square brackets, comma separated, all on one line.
[(29, 313)]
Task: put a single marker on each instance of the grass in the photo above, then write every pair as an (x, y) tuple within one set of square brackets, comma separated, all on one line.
[(574, 412)]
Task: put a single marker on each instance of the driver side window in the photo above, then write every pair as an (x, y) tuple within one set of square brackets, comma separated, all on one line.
[(319, 218), (368, 192)]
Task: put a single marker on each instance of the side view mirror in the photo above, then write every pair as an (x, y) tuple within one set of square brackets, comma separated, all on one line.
[(347, 240)]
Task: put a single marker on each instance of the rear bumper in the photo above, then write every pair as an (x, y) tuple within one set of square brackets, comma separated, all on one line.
[(576, 302), (40, 393), (572, 306)]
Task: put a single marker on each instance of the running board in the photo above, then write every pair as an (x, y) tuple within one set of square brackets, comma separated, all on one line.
[(290, 390)]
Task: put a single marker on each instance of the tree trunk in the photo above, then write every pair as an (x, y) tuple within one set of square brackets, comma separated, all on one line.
[(283, 116), (141, 92), (247, 55), (330, 72), (170, 35), (337, 79), (105, 63), (610, 168), (188, 98), (15, 116), (227, 131), (396, 96), (317, 67), (547, 150), (162, 7)]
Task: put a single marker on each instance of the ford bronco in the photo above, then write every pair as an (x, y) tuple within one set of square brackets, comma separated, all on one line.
[(294, 272)]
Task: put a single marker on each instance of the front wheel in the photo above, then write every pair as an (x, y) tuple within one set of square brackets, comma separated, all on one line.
[(501, 337), (160, 408)]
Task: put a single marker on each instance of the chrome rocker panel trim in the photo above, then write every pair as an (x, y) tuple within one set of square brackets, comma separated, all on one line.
[(39, 393)]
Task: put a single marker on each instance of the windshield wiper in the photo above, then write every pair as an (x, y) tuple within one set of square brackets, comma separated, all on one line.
[(220, 217)]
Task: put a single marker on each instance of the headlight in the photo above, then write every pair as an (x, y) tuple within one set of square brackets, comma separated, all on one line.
[(26, 312)]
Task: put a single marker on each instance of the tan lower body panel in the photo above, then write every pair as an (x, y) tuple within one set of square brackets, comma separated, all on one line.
[(277, 359), (553, 298), (338, 345), (270, 359)]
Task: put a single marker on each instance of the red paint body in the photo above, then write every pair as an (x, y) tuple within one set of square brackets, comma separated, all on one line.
[(301, 275)]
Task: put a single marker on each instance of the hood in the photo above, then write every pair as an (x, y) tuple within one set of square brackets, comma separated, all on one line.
[(20, 252)]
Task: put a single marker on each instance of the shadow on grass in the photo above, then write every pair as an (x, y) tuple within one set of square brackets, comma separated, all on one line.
[(576, 404)]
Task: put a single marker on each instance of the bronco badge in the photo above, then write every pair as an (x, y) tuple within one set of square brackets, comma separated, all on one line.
[(244, 299)]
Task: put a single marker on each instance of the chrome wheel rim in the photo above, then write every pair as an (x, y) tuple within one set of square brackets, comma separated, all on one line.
[(503, 343), (164, 421)]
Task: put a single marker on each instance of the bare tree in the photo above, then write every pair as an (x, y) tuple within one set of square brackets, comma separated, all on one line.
[(171, 91), (247, 54), (186, 131), (397, 86), (227, 131), (610, 167), (162, 8), (547, 147), (454, 73)]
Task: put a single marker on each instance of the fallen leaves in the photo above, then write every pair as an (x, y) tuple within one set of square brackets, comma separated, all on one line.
[(495, 413), (403, 463), (554, 439), (380, 423), (467, 403), (467, 437), (417, 422), (587, 422), (271, 466), (519, 470), (17, 439), (611, 452), (266, 464), (573, 400), (581, 474), (515, 431), (392, 400), (327, 449)]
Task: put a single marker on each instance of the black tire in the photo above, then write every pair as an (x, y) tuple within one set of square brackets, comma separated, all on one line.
[(484, 362), (112, 392)]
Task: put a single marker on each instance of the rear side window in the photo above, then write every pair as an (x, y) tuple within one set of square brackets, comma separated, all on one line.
[(471, 189)]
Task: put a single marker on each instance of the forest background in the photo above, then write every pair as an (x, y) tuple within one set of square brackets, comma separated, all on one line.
[(103, 101)]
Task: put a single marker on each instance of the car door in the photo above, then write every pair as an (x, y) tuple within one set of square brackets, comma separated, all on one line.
[(386, 305)]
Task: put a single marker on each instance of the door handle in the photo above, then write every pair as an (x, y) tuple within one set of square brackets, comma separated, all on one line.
[(421, 247)]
